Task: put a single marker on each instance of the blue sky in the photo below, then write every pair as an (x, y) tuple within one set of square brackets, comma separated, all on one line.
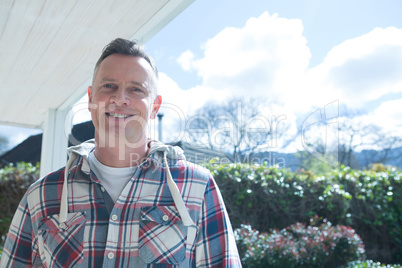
[(325, 25), (302, 54)]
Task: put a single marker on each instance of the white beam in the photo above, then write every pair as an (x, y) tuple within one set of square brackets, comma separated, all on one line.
[(169, 11), (55, 140)]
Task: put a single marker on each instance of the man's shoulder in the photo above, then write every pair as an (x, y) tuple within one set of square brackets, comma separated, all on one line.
[(43, 195), (55, 175), (52, 179), (194, 170)]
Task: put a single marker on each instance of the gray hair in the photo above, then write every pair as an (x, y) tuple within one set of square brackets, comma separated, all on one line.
[(130, 48)]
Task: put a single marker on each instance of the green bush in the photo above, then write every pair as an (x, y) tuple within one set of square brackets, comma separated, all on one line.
[(299, 246), (369, 201), (14, 181), (371, 264), (270, 198), (374, 208)]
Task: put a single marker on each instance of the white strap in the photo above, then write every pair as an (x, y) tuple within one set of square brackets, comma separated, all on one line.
[(64, 201), (178, 201)]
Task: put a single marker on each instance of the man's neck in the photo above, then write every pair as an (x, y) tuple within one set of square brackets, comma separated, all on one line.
[(120, 155)]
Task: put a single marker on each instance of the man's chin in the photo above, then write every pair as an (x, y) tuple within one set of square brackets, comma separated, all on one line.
[(122, 137)]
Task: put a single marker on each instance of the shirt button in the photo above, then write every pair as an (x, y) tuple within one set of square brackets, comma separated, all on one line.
[(62, 225), (102, 189), (110, 255), (114, 217), (165, 217)]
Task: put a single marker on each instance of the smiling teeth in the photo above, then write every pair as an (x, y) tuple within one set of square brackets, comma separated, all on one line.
[(118, 115)]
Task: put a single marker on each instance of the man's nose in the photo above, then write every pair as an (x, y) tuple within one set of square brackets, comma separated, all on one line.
[(120, 98)]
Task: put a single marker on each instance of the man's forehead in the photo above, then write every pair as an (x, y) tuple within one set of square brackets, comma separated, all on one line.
[(118, 64)]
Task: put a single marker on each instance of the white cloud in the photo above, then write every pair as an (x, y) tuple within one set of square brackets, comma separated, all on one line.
[(388, 116), (177, 104), (185, 60), (364, 45), (390, 109), (267, 56), (362, 69), (185, 100)]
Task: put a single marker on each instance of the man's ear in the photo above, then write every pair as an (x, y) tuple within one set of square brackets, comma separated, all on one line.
[(89, 97), (156, 105)]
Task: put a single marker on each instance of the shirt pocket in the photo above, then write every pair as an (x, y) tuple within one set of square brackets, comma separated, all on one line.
[(61, 246), (162, 236)]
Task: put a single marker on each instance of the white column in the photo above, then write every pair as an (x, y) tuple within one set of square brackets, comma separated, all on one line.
[(55, 141)]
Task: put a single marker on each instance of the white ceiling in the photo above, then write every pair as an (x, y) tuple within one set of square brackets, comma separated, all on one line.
[(48, 48)]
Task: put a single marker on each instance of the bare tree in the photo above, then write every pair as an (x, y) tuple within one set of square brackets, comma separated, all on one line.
[(352, 142), (239, 127), (371, 140), (384, 151), (354, 136)]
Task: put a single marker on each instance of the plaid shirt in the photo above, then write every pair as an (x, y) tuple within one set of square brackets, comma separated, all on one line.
[(142, 229)]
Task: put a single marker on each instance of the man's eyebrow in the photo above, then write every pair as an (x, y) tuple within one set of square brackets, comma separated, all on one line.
[(138, 84), (131, 82)]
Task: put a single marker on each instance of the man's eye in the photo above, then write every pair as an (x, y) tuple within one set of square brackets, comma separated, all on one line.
[(136, 89), (108, 86)]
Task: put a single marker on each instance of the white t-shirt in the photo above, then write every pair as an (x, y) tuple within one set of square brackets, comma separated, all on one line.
[(113, 179)]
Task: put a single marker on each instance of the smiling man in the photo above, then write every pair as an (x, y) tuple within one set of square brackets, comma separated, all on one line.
[(122, 200), (122, 100)]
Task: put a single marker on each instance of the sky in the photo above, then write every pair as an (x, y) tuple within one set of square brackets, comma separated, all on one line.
[(299, 56)]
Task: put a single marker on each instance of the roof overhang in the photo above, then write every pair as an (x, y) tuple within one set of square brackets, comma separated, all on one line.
[(48, 49)]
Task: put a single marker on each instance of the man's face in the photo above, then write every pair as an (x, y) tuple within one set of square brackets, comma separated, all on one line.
[(120, 99)]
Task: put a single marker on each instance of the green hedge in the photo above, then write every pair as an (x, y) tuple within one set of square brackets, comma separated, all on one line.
[(14, 181), (267, 198), (371, 264)]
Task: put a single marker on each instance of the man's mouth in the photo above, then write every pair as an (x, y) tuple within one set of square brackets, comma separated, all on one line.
[(119, 116)]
